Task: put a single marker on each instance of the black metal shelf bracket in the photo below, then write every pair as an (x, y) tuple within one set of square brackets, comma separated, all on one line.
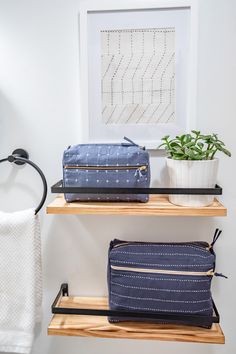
[(59, 188), (163, 316)]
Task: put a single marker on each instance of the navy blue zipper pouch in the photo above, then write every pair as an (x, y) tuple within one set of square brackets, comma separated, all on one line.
[(124, 165), (171, 278)]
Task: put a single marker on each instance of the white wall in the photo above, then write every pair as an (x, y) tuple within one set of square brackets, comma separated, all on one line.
[(39, 107)]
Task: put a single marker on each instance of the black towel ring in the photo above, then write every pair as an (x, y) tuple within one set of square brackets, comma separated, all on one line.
[(20, 157)]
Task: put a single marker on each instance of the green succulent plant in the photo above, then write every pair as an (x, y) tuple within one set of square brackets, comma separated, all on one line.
[(193, 146)]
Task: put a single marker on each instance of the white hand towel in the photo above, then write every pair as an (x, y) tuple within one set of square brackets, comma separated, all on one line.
[(20, 280)]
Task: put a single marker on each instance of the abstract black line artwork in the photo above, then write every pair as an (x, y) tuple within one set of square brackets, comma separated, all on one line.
[(138, 76)]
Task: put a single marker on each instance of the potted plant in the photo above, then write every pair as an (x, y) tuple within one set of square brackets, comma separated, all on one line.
[(192, 163)]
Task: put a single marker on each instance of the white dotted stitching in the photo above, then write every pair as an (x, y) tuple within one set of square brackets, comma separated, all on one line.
[(163, 265), (158, 289), (160, 300), (167, 245), (161, 309), (161, 254), (162, 279)]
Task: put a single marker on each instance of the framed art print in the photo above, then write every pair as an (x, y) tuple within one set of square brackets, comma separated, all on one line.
[(137, 70)]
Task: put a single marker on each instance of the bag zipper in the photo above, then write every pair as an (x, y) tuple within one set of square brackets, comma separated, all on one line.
[(138, 168), (163, 271), (201, 244), (129, 143), (198, 244)]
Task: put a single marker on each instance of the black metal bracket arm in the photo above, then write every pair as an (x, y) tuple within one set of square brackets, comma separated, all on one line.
[(59, 188), (64, 291)]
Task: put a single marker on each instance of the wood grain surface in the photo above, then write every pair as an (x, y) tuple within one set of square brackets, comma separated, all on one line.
[(98, 326), (157, 205)]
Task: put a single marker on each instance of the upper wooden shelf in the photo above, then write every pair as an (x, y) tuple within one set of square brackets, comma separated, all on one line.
[(157, 205), (98, 326)]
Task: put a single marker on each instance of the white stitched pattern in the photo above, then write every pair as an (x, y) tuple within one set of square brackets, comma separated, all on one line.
[(162, 279), (158, 289), (163, 310), (163, 265), (167, 245), (162, 254), (160, 300)]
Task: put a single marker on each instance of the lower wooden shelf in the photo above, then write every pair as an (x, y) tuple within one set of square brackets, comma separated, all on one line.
[(98, 326)]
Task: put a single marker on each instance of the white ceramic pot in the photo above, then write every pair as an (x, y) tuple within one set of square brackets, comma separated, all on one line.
[(192, 174)]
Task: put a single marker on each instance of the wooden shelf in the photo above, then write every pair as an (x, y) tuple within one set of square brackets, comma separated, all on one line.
[(157, 205), (98, 326)]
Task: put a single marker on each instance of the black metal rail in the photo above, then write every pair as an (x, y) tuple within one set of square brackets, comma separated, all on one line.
[(59, 188), (162, 316)]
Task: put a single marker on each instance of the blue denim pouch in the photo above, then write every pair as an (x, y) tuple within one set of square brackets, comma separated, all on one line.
[(174, 278), (106, 166)]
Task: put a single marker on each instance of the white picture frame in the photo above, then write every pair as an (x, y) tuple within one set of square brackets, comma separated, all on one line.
[(100, 135)]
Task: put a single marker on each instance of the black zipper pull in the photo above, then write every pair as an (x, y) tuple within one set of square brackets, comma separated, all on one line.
[(220, 275), (215, 237), (130, 141), (133, 143), (116, 241)]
